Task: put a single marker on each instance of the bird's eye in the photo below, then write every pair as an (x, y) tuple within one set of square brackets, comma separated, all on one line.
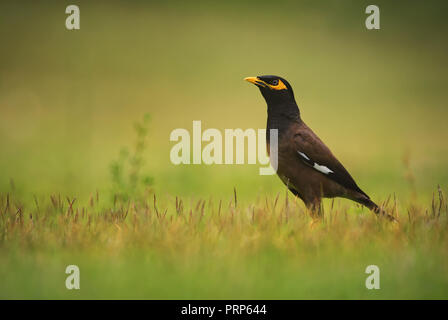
[(274, 82)]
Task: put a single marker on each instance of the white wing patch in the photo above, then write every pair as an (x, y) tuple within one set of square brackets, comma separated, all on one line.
[(322, 169), (304, 155), (315, 165)]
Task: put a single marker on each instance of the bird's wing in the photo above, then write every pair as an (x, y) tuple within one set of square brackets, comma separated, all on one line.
[(313, 152)]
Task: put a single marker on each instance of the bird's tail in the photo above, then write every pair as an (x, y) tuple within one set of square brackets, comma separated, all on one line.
[(376, 209)]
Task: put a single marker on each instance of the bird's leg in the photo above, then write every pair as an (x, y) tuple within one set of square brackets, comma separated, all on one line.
[(315, 208)]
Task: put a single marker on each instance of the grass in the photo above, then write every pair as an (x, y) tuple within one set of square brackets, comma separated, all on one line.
[(155, 230), (218, 249)]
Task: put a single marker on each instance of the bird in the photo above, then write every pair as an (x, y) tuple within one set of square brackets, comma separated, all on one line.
[(305, 165)]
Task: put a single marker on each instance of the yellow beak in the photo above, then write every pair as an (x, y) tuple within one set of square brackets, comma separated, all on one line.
[(256, 81), (251, 79)]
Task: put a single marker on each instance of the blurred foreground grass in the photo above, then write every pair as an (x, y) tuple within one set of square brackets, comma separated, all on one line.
[(214, 249), (68, 101)]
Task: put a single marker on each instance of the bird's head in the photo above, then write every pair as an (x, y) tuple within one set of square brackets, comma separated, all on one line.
[(274, 89)]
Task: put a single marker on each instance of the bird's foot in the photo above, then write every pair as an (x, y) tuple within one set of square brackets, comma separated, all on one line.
[(314, 223)]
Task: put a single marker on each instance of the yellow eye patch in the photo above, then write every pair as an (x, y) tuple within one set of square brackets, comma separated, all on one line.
[(279, 86)]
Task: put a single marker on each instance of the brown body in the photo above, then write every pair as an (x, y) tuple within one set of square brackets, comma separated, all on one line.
[(303, 180)]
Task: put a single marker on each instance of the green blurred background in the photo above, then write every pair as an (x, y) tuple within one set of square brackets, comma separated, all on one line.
[(68, 101)]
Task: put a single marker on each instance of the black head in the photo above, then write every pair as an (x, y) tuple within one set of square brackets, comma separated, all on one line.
[(274, 89)]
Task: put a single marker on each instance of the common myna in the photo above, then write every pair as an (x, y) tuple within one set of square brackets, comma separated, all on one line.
[(305, 164)]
